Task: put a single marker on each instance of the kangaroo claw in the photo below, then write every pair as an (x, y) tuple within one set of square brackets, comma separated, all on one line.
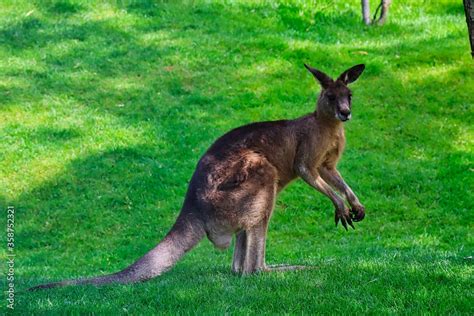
[(346, 218)]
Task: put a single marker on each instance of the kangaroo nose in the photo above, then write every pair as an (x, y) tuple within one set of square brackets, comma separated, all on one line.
[(345, 112)]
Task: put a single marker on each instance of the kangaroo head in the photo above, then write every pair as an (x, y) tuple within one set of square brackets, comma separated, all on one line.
[(335, 99)]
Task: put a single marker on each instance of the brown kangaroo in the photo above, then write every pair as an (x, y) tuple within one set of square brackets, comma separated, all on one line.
[(236, 182)]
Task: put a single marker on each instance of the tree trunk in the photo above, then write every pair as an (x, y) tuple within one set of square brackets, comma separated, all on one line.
[(384, 5), (366, 11), (469, 10), (383, 14)]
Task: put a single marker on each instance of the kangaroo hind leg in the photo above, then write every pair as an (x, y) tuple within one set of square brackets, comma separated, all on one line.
[(249, 252)]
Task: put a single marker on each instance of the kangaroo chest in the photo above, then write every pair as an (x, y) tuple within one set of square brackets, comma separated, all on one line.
[(328, 148)]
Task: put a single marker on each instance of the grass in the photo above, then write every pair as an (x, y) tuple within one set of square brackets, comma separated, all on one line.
[(106, 109)]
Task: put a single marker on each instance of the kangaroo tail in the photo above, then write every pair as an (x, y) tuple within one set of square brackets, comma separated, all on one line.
[(184, 235)]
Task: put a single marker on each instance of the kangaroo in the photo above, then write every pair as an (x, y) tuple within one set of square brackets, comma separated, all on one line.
[(236, 182)]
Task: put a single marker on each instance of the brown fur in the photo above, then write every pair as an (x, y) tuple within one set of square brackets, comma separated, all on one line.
[(236, 182)]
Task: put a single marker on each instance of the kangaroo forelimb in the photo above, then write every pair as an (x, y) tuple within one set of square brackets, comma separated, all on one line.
[(334, 178), (314, 179)]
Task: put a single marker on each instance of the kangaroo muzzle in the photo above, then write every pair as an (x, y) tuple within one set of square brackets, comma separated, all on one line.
[(344, 114)]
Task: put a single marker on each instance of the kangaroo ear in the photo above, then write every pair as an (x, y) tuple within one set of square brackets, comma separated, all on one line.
[(351, 74), (323, 79)]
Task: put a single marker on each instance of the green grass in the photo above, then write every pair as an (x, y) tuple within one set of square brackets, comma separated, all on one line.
[(106, 109)]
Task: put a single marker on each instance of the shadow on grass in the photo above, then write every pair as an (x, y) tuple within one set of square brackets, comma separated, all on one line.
[(103, 211), (53, 135)]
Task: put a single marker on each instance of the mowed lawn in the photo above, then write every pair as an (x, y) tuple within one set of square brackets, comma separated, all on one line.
[(106, 109)]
